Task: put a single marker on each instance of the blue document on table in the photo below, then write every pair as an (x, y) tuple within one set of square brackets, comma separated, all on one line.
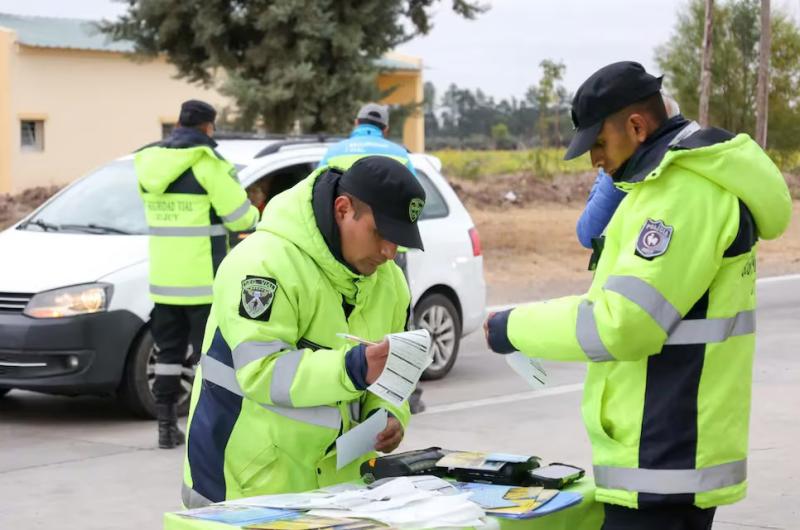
[(487, 496), (239, 515)]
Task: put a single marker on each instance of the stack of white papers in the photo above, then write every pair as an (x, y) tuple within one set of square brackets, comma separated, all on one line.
[(405, 502), (401, 504)]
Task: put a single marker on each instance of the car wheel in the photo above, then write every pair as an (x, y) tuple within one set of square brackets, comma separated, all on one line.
[(136, 390), (437, 314), (4, 391)]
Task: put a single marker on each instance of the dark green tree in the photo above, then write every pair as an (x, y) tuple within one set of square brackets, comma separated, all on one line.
[(548, 101), (734, 68), (282, 60)]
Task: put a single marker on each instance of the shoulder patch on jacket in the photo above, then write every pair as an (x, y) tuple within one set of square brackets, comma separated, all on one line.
[(653, 239), (258, 293)]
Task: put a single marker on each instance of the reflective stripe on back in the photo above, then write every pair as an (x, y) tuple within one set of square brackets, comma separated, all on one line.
[(671, 481)]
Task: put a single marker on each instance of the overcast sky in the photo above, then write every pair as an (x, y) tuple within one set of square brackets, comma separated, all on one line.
[(501, 50)]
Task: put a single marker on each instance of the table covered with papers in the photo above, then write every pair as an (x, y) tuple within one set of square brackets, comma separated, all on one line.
[(405, 503)]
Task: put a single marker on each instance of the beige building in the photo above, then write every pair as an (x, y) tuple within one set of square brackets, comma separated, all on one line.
[(71, 100)]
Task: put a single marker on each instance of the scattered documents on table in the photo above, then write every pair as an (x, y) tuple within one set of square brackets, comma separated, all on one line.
[(409, 356), (488, 496), (479, 461), (407, 503), (238, 515), (312, 522), (361, 439), (531, 370)]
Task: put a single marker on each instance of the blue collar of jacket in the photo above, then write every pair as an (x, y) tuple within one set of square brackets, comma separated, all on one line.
[(187, 137), (649, 155), (365, 129)]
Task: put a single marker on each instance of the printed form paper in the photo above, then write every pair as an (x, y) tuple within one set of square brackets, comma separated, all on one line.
[(531, 370), (361, 439), (409, 356)]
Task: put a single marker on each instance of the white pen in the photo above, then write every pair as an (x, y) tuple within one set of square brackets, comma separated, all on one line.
[(356, 339)]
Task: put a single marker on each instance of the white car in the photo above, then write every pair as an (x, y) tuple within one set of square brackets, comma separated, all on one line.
[(74, 303)]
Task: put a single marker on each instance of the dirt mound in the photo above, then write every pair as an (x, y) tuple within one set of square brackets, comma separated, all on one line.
[(14, 207), (523, 190)]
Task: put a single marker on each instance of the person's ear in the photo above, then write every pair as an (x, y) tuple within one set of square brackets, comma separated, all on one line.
[(636, 127), (342, 206)]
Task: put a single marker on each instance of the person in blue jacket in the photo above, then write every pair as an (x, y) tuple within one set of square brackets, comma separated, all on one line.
[(368, 138), (604, 198)]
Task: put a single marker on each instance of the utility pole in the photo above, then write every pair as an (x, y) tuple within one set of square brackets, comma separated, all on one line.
[(762, 91), (705, 72)]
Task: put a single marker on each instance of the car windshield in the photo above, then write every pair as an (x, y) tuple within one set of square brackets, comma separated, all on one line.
[(104, 202)]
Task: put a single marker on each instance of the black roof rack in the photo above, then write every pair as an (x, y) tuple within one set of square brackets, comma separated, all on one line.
[(283, 140), (277, 146)]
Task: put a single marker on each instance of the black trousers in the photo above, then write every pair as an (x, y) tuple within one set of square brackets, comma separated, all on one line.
[(667, 517), (174, 329)]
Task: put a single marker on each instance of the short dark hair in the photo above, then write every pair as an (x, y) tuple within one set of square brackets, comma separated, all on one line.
[(652, 106), (367, 121), (359, 206)]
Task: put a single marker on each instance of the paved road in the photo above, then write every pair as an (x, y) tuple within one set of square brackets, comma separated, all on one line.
[(80, 463)]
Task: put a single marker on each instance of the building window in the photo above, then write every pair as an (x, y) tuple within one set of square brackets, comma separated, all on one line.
[(166, 129), (32, 135)]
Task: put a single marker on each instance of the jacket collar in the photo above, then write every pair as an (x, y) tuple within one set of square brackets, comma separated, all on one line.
[(649, 155), (187, 137), (365, 129)]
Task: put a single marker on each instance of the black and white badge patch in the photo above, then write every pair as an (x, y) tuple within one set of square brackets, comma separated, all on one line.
[(653, 239), (258, 293)]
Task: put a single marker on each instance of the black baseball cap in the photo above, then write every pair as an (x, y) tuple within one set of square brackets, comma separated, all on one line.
[(394, 194), (195, 112), (608, 90)]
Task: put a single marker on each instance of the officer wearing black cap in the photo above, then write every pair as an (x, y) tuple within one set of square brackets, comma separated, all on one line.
[(667, 327), (277, 383), (192, 199)]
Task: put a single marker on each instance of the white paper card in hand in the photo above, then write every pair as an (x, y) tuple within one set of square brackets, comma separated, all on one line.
[(409, 356), (361, 439), (531, 370)]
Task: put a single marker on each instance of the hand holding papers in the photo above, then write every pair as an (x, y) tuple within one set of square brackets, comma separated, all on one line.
[(360, 440), (409, 356)]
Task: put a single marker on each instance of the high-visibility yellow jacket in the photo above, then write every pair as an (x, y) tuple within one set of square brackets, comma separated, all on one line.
[(668, 325), (272, 393), (192, 197)]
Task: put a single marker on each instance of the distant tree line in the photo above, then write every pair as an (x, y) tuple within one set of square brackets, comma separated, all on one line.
[(461, 118)]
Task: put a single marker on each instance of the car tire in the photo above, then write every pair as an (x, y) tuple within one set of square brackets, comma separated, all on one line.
[(436, 313), (136, 389)]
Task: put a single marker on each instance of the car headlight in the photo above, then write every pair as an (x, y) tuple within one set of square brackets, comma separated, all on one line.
[(70, 301)]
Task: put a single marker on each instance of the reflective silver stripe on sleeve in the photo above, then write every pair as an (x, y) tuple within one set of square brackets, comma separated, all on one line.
[(188, 231), (204, 290), (283, 372), (322, 416), (247, 352), (588, 336), (224, 376), (238, 213), (191, 499), (220, 374), (647, 297), (669, 481), (708, 330), (168, 369)]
